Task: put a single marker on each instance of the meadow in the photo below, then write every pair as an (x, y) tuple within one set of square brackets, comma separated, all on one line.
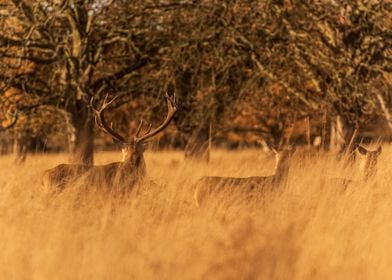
[(310, 228)]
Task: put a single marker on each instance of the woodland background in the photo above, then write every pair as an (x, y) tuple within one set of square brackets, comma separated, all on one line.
[(244, 72)]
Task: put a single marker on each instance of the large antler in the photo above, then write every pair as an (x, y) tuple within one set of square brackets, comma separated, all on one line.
[(13, 122), (101, 122), (171, 110)]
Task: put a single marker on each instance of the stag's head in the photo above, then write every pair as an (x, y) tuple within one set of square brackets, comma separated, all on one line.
[(133, 148)]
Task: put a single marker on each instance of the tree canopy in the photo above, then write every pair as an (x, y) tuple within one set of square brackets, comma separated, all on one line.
[(235, 65)]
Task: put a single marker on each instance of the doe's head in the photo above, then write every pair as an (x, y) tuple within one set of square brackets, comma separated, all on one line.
[(370, 160), (284, 153)]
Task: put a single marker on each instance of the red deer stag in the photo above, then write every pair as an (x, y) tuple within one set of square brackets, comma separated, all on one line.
[(210, 185), (126, 173)]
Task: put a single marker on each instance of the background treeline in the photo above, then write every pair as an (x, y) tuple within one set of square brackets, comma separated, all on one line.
[(241, 70)]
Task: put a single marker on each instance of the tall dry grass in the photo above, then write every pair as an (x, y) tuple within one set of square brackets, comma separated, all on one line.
[(308, 229)]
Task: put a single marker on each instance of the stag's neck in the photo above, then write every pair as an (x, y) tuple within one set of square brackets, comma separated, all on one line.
[(135, 164)]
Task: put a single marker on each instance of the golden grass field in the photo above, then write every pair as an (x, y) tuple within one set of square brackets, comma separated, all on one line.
[(308, 229)]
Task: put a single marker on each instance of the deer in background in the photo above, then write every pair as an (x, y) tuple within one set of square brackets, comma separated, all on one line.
[(208, 185), (369, 160), (122, 174)]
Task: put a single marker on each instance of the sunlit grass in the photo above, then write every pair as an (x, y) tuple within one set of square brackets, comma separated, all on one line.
[(308, 229)]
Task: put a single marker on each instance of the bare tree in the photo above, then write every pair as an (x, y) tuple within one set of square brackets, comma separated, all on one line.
[(235, 65), (76, 50), (280, 61)]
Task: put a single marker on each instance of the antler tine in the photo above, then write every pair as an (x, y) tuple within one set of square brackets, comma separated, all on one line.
[(171, 100), (97, 122), (101, 122), (96, 112), (171, 110), (107, 103), (106, 98), (92, 104), (139, 128), (149, 128)]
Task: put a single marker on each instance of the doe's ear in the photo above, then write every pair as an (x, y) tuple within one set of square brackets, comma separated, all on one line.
[(379, 150), (362, 150), (272, 147), (293, 149)]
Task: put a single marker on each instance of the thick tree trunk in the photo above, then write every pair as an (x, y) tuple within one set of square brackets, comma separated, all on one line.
[(198, 146), (197, 138), (20, 148), (350, 139), (83, 149), (326, 135), (70, 131), (336, 135)]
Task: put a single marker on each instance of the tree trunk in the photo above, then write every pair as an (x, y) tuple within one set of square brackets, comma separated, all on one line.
[(195, 134), (326, 135), (70, 131), (83, 150), (20, 148), (197, 146), (336, 135)]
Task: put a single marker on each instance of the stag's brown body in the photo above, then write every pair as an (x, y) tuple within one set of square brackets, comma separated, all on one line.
[(58, 177), (110, 175)]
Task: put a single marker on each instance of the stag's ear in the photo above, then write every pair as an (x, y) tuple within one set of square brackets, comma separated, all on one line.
[(379, 150), (362, 150)]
